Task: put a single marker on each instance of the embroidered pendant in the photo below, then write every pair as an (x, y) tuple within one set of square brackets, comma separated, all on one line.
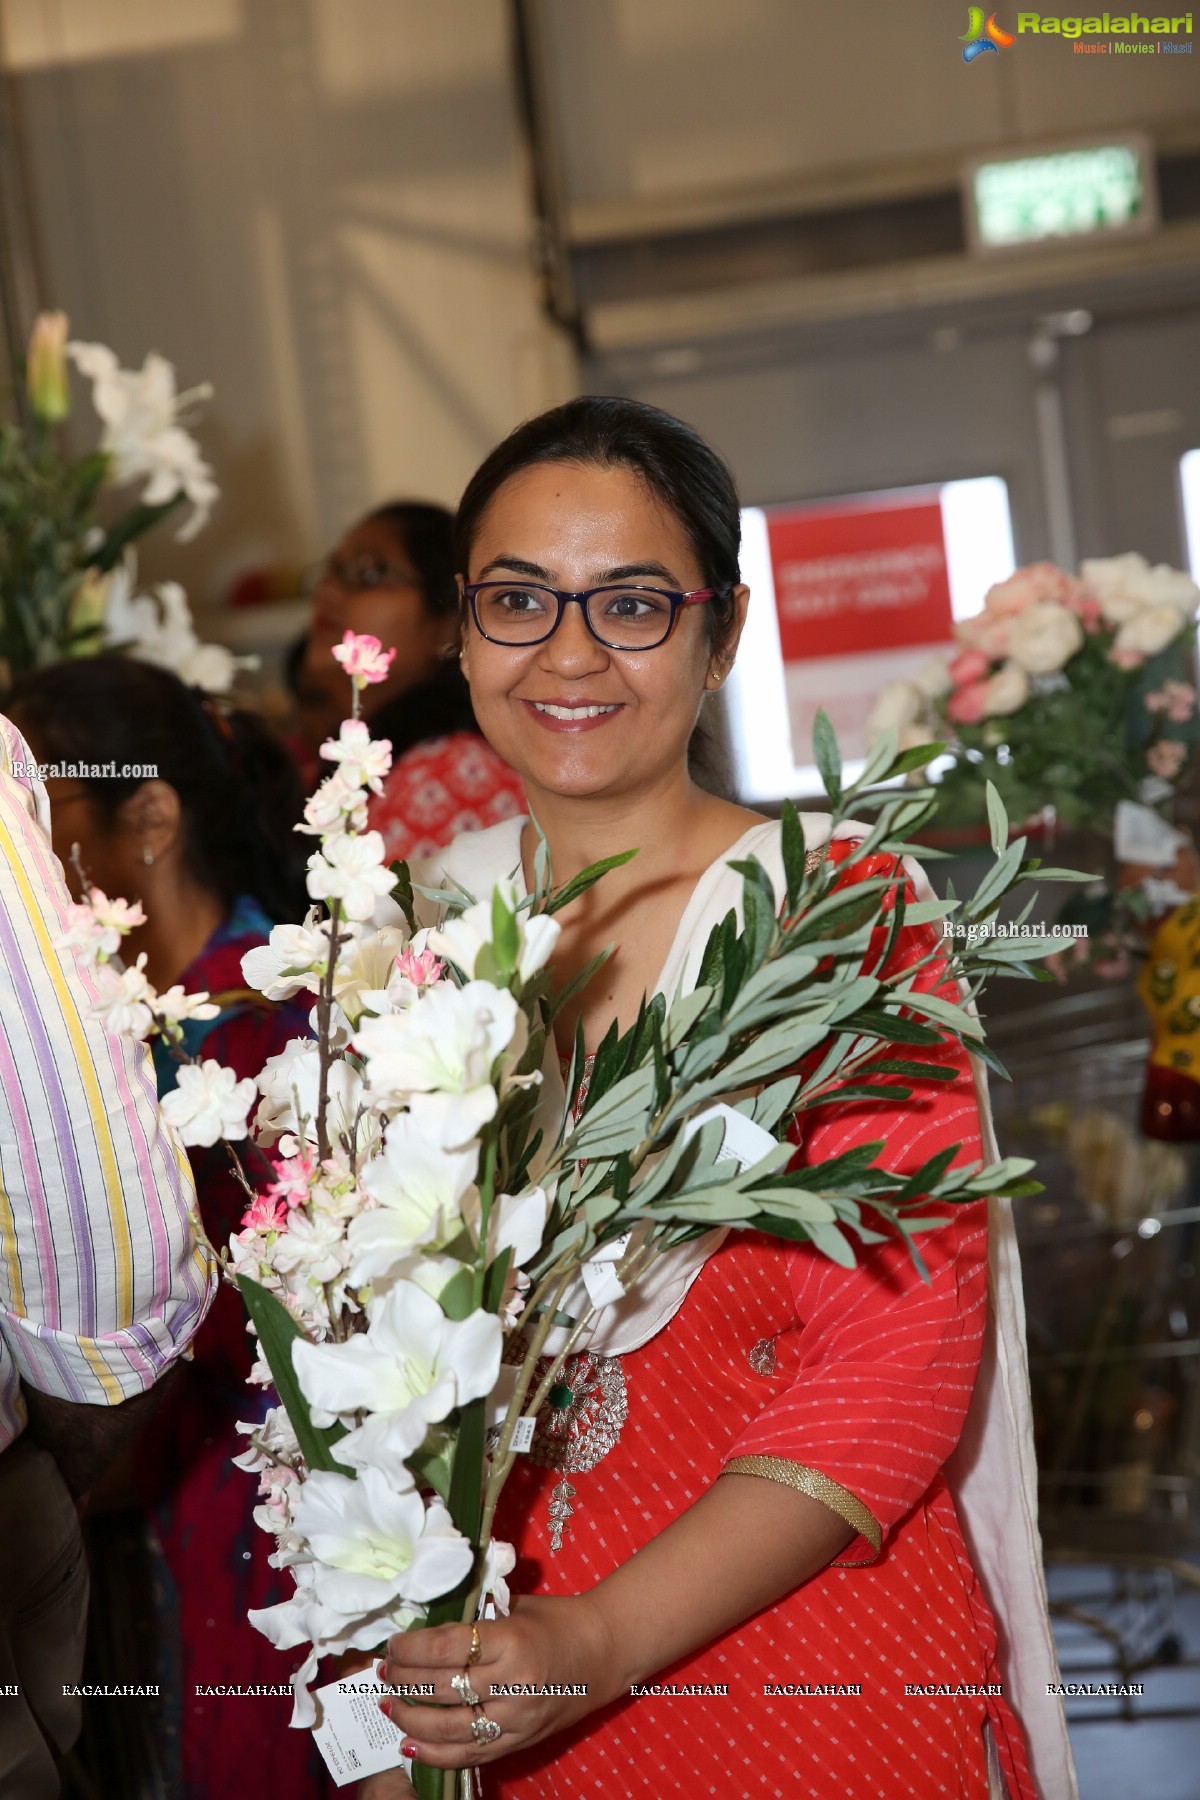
[(762, 1357)]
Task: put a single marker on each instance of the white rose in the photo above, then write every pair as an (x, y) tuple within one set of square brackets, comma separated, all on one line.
[(900, 703), (1006, 692), (933, 678), (1124, 585), (1150, 630), (1044, 637)]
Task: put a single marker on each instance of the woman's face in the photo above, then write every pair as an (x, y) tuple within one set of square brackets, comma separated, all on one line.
[(370, 584), (107, 848), (574, 526)]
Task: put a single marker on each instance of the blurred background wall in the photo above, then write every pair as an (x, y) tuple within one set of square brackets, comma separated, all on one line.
[(387, 229)]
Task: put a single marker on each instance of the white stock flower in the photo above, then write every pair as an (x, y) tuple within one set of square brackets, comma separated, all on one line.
[(1043, 637), (337, 805), (376, 1541), (140, 410), (446, 1045), (124, 999), (350, 868), (461, 939), (419, 1187), (176, 1005), (1150, 630), (292, 961), (1006, 691), (1124, 585), (899, 703), (409, 1369), (313, 1247), (209, 1103), (363, 760)]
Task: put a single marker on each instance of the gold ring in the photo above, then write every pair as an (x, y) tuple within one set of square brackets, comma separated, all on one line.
[(476, 1650)]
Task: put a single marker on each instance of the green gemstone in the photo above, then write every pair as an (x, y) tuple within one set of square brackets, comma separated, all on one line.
[(561, 1395)]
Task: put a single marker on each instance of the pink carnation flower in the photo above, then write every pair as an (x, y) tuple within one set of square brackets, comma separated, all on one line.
[(293, 1180), (363, 657), (421, 968)]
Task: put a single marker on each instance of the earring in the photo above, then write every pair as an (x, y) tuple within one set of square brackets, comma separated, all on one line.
[(147, 855)]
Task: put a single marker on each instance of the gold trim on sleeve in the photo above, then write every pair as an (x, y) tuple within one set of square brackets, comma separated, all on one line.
[(832, 1494)]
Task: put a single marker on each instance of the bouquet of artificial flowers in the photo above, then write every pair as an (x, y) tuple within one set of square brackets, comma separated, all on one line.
[(425, 1209), (1069, 692)]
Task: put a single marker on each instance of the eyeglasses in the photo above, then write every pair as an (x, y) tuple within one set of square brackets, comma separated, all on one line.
[(359, 574), (516, 613)]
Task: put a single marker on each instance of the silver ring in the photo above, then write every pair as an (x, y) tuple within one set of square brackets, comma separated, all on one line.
[(483, 1729), (462, 1687)]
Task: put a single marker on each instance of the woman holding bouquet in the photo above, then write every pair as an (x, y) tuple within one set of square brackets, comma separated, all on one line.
[(739, 1551)]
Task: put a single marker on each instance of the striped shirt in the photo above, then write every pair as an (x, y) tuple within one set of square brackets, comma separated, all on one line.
[(101, 1281)]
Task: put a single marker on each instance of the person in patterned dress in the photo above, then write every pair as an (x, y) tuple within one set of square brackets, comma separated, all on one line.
[(392, 575), (748, 1560)]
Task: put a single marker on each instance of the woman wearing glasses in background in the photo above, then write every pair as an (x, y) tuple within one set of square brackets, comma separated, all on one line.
[(741, 1570), (392, 575)]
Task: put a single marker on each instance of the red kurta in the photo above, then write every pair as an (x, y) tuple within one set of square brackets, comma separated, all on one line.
[(863, 1376)]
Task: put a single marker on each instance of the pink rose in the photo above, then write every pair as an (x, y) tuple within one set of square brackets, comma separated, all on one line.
[(967, 705), (985, 632), (968, 666), (363, 657), (1031, 585)]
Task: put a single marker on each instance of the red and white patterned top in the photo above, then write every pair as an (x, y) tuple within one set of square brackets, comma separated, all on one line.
[(866, 1382), (439, 788)]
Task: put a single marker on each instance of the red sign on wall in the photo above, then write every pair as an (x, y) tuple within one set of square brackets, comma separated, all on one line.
[(859, 577)]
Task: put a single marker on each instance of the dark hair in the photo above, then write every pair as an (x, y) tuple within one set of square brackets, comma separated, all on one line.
[(679, 468), (239, 790), (427, 533)]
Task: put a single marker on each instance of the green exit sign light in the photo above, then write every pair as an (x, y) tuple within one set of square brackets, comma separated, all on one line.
[(1095, 190)]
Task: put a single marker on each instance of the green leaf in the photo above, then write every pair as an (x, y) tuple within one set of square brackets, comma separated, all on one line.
[(829, 1240), (457, 1297), (997, 820), (827, 756), (579, 981), (493, 1286), (433, 1468), (277, 1332), (772, 1102), (137, 521), (795, 853), (586, 878), (466, 1481), (402, 893), (619, 1119), (506, 938)]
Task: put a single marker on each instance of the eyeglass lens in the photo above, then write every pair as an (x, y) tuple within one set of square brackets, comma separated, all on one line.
[(625, 618)]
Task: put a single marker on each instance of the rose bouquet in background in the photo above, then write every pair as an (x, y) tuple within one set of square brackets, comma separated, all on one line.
[(1071, 692), (417, 1267), (68, 582)]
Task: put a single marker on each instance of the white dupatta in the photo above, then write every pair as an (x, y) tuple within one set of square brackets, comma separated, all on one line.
[(993, 1471)]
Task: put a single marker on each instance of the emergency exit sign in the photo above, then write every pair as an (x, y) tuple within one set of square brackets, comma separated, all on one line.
[(1084, 191)]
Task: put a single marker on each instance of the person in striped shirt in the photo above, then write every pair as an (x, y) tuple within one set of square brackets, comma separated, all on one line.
[(102, 1283)]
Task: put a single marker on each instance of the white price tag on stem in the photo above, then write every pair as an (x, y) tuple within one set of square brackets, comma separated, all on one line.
[(523, 1431), (745, 1143), (354, 1737)]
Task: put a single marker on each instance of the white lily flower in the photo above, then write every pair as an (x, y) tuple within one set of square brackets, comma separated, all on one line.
[(461, 939), (447, 1046), (289, 1084), (209, 1103), (419, 1187), (363, 975), (160, 630), (377, 1542), (516, 1223), (350, 868), (140, 411), (363, 761), (409, 1369)]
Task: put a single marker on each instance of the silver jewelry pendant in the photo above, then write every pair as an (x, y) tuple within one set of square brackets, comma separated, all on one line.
[(762, 1357), (560, 1511)]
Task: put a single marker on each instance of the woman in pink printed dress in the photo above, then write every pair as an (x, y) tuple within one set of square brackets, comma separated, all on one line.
[(392, 576)]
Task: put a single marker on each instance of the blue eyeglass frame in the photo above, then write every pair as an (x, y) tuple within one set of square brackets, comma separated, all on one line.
[(696, 597)]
